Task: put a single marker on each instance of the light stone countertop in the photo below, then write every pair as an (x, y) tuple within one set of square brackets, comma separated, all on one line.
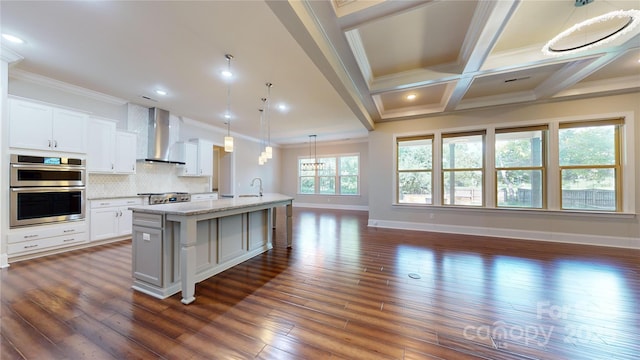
[(93, 198), (211, 206)]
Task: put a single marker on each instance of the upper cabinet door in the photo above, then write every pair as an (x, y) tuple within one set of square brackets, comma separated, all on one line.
[(100, 152), (30, 125), (69, 131), (41, 127), (205, 158), (125, 152)]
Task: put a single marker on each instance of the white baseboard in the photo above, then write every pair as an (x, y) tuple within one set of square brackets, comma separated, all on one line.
[(331, 206), (582, 239)]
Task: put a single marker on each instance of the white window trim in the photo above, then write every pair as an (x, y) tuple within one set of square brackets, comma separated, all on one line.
[(337, 156), (628, 161)]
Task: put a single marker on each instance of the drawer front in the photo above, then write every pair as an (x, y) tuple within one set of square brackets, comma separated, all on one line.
[(97, 204), (147, 220), (47, 243), (43, 232)]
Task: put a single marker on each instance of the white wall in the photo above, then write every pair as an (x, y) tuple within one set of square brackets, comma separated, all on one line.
[(613, 230)]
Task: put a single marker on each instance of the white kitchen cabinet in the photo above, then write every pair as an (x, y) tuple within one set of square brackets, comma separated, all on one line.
[(125, 153), (100, 152), (42, 127), (205, 158), (35, 239), (190, 167), (111, 218), (198, 158), (110, 151)]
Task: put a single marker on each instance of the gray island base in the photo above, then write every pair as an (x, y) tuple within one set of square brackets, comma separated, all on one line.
[(177, 245)]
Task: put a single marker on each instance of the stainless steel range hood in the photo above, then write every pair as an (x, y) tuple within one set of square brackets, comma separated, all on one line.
[(159, 137)]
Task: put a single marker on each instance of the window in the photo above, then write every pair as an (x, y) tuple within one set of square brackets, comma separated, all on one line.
[(414, 173), (339, 175), (463, 168), (520, 167), (590, 166)]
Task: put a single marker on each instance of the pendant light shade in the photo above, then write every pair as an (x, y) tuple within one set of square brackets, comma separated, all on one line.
[(228, 140), (228, 144)]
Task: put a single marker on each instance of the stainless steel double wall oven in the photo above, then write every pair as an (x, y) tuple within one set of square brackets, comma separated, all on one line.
[(46, 189)]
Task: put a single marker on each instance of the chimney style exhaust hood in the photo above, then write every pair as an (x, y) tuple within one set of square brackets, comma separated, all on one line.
[(159, 129)]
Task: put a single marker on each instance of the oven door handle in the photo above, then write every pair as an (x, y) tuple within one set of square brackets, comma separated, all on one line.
[(48, 189), (47, 167)]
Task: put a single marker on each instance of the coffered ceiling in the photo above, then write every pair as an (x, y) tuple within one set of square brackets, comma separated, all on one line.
[(341, 66)]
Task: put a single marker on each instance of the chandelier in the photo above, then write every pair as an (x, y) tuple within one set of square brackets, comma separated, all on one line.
[(312, 163), (593, 32)]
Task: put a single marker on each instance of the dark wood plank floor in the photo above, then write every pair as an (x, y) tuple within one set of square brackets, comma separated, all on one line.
[(345, 291)]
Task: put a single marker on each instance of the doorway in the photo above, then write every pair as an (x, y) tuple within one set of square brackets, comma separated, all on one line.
[(224, 171)]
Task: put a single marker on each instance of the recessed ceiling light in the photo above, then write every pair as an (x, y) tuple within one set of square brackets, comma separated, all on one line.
[(411, 97), (283, 107), (12, 38), (161, 92)]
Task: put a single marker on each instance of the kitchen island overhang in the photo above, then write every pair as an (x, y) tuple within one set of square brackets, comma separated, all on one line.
[(177, 245)]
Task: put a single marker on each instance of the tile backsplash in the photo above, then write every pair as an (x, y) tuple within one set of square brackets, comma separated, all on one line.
[(149, 178)]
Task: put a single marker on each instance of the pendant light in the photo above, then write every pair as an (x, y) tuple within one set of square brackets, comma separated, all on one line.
[(262, 159), (228, 140), (312, 163), (268, 149)]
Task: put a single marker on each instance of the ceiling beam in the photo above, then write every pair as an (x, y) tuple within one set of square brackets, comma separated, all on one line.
[(312, 24), (488, 22)]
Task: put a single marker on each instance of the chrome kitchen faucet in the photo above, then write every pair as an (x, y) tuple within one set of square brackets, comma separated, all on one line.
[(253, 182)]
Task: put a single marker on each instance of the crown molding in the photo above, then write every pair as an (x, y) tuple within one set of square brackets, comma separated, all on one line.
[(66, 87), (9, 56)]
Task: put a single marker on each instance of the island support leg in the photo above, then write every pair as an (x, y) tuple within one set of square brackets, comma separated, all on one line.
[(188, 259), (275, 215), (289, 224)]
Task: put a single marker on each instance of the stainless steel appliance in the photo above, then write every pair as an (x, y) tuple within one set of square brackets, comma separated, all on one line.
[(164, 198), (46, 189)]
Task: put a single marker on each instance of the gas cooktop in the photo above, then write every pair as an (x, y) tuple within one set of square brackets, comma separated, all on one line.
[(163, 198)]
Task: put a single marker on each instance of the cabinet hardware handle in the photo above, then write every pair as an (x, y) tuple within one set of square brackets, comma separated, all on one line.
[(67, 240), (55, 143), (111, 166), (49, 143), (69, 230), (30, 246), (30, 236)]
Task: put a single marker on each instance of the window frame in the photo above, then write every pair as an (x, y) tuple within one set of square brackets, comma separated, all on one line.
[(618, 123), (337, 176), (482, 169), (398, 171), (543, 163)]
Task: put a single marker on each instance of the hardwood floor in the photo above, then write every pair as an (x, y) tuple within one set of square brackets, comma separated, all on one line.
[(344, 291)]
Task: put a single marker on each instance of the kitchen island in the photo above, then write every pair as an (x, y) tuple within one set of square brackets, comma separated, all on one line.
[(176, 245)]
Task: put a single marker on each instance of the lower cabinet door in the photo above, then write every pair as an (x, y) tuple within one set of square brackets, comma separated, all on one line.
[(104, 223), (147, 255)]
